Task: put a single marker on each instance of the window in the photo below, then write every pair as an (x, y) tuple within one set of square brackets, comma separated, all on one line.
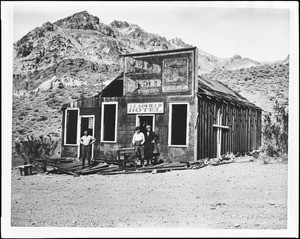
[(71, 124), (178, 124), (109, 122)]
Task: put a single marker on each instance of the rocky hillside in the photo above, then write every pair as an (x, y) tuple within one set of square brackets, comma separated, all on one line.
[(74, 57), (262, 85)]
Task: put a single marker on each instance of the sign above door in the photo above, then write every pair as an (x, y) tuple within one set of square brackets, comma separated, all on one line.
[(145, 108)]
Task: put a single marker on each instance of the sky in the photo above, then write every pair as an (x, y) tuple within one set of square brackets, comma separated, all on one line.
[(258, 31)]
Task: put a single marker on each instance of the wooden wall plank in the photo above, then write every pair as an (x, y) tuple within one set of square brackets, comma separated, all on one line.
[(215, 131)]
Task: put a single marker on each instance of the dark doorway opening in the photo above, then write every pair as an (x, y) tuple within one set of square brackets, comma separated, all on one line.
[(86, 124), (144, 121)]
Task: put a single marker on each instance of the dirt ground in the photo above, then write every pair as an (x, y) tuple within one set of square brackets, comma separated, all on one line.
[(243, 195)]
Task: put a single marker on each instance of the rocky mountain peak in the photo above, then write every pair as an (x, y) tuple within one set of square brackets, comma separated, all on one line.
[(80, 20), (236, 57), (48, 26), (286, 60), (179, 42), (119, 24)]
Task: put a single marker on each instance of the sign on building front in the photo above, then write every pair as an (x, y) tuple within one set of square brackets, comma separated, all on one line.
[(156, 74), (175, 75), (145, 108)]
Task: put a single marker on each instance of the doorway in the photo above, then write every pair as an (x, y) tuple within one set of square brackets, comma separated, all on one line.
[(87, 122), (144, 120)]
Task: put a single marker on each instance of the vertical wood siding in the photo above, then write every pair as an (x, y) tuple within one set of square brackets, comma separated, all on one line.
[(243, 135)]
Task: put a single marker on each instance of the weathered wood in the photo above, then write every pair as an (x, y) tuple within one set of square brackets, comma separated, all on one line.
[(122, 172), (92, 169), (202, 130), (165, 169), (221, 126), (210, 129), (63, 170), (70, 165), (221, 163), (164, 165), (25, 169)]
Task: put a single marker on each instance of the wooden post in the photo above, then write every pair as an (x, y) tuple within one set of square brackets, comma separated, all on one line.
[(219, 127)]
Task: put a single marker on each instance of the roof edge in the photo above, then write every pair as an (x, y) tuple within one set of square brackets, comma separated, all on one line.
[(159, 52)]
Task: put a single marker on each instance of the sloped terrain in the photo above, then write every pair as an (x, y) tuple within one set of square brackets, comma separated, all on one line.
[(262, 85)]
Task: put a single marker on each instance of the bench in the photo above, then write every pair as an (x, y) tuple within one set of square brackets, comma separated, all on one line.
[(26, 169), (125, 153)]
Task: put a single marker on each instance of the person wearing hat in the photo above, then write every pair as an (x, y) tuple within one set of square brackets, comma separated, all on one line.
[(150, 139), (138, 141)]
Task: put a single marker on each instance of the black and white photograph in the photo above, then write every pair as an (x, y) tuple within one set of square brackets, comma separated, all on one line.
[(150, 119)]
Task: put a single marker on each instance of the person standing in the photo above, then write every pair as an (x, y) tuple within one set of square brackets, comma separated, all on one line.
[(150, 140), (86, 141), (138, 141)]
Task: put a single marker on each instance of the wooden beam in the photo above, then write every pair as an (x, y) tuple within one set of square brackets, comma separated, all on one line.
[(220, 126)]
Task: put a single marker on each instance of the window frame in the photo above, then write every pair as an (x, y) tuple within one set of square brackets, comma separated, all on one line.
[(65, 126), (170, 124), (102, 121)]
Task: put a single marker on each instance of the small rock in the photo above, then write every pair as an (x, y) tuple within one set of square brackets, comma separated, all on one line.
[(154, 171), (271, 203), (236, 225), (19, 178)]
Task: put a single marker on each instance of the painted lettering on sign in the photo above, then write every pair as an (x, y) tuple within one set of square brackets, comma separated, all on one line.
[(142, 66), (133, 85), (175, 75), (143, 108)]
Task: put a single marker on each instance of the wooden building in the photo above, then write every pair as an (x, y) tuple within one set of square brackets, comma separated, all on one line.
[(193, 117)]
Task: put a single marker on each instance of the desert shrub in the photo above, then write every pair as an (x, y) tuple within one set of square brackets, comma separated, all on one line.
[(21, 131), (52, 94), (33, 147), (23, 114), (53, 102), (275, 132), (42, 118)]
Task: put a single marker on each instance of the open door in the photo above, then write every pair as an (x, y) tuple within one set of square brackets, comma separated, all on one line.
[(87, 122), (143, 121)]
